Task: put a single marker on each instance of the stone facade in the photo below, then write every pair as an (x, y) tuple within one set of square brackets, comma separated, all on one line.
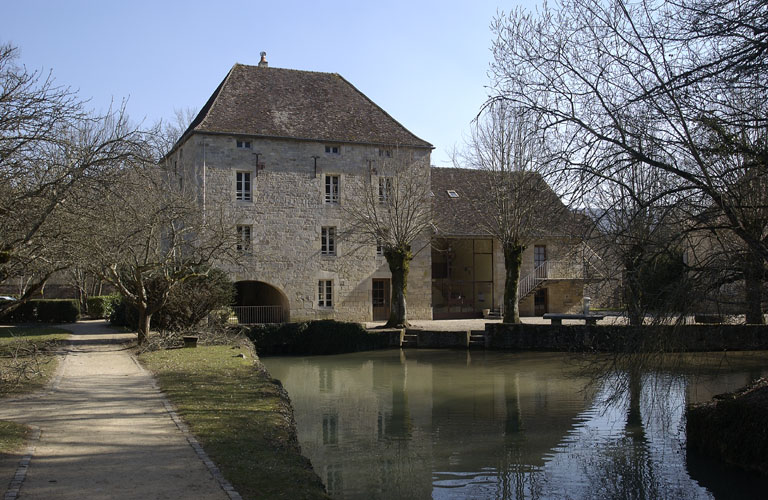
[(287, 212)]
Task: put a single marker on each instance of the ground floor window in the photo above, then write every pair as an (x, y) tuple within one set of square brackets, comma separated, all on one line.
[(325, 293), (462, 278)]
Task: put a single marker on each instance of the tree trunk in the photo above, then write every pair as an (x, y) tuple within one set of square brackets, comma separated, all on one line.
[(399, 261), (631, 289), (753, 285), (513, 260), (142, 332)]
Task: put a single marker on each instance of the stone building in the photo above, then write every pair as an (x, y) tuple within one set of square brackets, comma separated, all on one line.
[(284, 151), (468, 272)]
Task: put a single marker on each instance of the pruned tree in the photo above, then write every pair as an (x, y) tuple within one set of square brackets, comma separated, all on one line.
[(518, 206), (650, 82), (146, 236), (49, 148), (392, 208)]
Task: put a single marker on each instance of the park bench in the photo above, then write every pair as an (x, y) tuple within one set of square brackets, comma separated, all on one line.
[(557, 319)]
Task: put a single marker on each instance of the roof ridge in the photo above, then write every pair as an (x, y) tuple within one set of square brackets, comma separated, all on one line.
[(383, 111)]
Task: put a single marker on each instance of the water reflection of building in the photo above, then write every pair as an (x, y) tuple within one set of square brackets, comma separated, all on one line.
[(387, 424), (451, 424)]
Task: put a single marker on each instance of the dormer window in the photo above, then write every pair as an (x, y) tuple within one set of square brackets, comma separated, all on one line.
[(452, 193), (242, 144), (332, 150)]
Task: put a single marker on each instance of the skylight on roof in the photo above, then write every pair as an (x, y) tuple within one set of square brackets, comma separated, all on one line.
[(452, 193)]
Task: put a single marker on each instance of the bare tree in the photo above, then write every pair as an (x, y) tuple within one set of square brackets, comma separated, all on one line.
[(146, 236), (651, 82), (506, 144), (392, 208), (49, 147)]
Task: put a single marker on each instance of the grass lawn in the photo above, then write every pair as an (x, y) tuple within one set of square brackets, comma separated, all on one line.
[(12, 436), (27, 362), (241, 418)]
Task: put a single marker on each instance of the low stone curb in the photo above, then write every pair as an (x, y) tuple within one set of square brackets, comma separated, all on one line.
[(193, 442), (21, 471)]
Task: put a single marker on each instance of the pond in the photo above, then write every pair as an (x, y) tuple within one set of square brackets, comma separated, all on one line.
[(487, 425)]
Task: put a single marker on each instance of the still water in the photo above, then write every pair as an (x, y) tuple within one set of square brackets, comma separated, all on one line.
[(484, 425)]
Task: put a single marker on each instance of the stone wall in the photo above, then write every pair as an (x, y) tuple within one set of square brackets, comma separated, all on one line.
[(287, 213), (607, 338)]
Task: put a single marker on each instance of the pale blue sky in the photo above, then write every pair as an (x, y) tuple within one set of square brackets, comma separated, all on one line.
[(424, 62)]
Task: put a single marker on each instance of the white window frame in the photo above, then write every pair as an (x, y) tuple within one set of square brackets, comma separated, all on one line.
[(244, 235), (332, 149), (328, 240), (332, 189), (325, 294), (379, 248), (242, 144), (385, 189), (243, 186)]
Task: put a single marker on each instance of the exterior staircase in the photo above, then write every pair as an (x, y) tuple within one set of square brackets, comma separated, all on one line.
[(552, 270)]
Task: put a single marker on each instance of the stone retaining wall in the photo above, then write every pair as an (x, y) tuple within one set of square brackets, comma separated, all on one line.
[(441, 339), (625, 338)]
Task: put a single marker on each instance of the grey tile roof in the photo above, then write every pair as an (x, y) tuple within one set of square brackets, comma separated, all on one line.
[(305, 105), (463, 215)]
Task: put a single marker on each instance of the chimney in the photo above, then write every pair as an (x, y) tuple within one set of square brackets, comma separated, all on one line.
[(263, 63)]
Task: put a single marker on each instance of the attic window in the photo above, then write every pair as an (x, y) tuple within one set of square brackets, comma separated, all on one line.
[(385, 152), (241, 144), (452, 193), (334, 150)]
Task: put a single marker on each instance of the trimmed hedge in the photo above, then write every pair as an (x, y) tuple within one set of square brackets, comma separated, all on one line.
[(314, 337), (124, 314), (45, 311), (101, 306)]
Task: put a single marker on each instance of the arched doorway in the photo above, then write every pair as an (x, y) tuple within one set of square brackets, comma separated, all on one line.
[(259, 302)]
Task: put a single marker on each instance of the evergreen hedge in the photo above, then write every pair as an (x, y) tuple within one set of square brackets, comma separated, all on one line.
[(314, 337), (44, 311), (101, 306)]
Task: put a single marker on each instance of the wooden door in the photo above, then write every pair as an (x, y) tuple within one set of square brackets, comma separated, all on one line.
[(380, 299), (540, 302)]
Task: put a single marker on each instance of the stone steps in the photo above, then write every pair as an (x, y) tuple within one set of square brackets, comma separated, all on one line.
[(410, 340), (477, 339)]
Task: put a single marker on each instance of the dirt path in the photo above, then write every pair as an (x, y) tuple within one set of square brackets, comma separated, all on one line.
[(105, 432)]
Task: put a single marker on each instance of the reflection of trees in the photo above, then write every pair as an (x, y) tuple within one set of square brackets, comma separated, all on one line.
[(501, 426)]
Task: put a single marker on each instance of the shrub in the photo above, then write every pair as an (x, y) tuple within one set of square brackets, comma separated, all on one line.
[(45, 311), (194, 300), (124, 314), (22, 313), (186, 306), (57, 310), (314, 337), (101, 306)]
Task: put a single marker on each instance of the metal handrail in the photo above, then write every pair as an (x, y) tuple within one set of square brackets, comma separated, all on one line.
[(548, 270), (252, 315)]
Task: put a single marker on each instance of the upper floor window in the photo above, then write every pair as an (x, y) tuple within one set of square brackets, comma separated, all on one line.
[(334, 150), (328, 240), (243, 186), (379, 248), (242, 144), (244, 238), (387, 153), (385, 189), (332, 189)]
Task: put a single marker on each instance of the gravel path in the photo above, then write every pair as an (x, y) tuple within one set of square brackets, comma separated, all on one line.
[(105, 432)]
